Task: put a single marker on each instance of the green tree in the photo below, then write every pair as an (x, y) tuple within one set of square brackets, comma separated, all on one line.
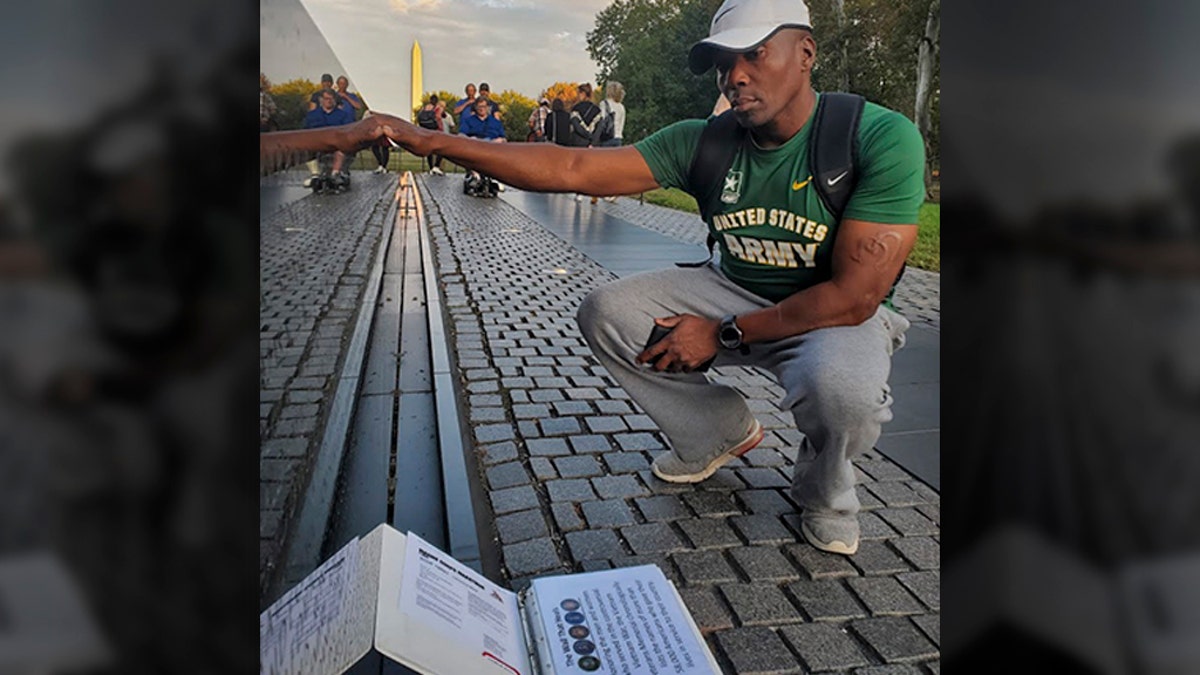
[(291, 102), (644, 45), (514, 112)]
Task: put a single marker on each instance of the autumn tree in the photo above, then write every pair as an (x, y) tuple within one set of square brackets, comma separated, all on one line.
[(567, 91)]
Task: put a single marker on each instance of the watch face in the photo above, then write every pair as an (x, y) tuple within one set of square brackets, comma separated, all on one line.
[(730, 335)]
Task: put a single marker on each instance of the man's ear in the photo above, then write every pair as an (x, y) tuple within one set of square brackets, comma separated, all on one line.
[(807, 48)]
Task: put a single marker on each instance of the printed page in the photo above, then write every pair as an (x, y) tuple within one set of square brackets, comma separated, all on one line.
[(627, 621), (325, 623), (440, 617)]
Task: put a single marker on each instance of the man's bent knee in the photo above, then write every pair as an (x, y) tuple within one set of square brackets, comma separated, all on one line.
[(841, 395)]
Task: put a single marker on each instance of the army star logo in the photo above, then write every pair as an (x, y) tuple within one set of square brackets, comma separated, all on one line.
[(733, 188)]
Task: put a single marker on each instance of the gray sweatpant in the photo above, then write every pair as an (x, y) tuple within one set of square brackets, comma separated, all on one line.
[(835, 381)]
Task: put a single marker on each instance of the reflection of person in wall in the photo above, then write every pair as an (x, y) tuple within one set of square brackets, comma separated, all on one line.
[(797, 291), (346, 99)]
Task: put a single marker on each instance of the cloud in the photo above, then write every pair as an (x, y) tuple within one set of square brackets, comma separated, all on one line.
[(405, 6)]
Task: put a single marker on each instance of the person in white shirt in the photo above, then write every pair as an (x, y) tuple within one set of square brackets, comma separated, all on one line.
[(614, 93)]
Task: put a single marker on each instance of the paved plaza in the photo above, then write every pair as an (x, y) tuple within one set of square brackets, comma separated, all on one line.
[(563, 455)]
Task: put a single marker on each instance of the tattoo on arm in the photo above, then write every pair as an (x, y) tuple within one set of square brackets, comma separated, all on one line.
[(878, 251)]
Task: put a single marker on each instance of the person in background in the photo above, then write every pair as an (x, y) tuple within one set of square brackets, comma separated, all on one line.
[(614, 94), (446, 124), (537, 121), (465, 106), (347, 99), (428, 117), (484, 93), (558, 124), (328, 114), (483, 125), (314, 101), (585, 123)]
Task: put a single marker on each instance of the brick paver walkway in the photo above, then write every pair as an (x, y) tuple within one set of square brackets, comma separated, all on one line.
[(564, 460), (315, 256)]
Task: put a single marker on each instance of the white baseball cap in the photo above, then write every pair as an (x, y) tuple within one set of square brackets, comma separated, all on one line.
[(742, 25)]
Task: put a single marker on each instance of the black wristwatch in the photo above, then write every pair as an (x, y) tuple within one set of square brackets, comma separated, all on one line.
[(729, 335)]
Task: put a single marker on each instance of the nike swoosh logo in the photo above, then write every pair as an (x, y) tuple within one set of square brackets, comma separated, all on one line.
[(835, 181), (796, 185)]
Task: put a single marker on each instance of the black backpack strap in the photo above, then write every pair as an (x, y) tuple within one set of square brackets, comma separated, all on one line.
[(835, 150), (834, 146), (718, 146)]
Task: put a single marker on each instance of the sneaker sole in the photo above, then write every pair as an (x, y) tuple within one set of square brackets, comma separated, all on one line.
[(755, 437), (831, 547)]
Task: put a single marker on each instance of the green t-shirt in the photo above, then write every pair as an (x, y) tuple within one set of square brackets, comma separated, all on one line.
[(775, 236)]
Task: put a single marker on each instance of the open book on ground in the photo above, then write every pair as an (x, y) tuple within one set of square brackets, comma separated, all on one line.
[(391, 597)]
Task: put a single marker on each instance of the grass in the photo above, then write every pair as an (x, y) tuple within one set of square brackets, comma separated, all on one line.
[(926, 253)]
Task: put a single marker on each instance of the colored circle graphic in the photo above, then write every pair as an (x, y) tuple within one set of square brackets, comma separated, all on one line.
[(570, 604), (579, 632), (584, 647), (573, 617), (589, 663)]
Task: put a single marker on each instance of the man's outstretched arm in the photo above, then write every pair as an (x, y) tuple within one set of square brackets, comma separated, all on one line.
[(539, 167), (280, 149)]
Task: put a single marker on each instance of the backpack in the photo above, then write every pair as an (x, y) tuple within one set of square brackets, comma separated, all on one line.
[(608, 125), (427, 119)]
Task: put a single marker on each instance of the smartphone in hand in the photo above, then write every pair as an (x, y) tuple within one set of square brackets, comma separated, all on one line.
[(658, 333)]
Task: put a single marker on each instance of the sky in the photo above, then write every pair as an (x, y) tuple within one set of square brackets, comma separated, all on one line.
[(524, 45)]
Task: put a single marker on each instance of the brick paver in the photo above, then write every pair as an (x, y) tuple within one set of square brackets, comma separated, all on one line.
[(315, 256), (579, 453)]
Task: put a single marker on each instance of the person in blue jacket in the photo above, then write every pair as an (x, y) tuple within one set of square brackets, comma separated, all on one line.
[(329, 114), (482, 124)]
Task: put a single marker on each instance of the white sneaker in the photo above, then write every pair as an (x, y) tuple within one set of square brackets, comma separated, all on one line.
[(610, 200), (578, 198), (672, 469), (436, 171), (501, 186)]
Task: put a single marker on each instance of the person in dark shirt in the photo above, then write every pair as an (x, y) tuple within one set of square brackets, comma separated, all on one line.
[(584, 119), (558, 124), (585, 123), (314, 101), (485, 92)]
